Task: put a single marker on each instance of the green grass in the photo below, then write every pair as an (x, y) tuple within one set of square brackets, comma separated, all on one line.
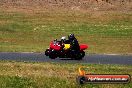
[(16, 82), (55, 75), (105, 33)]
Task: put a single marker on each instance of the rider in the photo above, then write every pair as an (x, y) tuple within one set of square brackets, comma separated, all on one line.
[(74, 45), (73, 42), (63, 40)]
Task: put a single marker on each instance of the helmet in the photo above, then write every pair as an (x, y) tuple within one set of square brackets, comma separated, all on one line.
[(71, 36), (63, 38)]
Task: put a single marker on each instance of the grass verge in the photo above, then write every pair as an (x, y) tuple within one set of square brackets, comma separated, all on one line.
[(104, 32), (54, 75)]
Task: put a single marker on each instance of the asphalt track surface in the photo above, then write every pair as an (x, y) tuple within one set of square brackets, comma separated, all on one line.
[(92, 58)]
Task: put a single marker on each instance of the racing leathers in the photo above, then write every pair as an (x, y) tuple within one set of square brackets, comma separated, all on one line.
[(74, 45)]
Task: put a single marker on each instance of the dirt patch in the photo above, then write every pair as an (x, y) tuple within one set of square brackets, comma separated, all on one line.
[(77, 5)]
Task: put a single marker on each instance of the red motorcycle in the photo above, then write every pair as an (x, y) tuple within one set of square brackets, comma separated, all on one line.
[(57, 49)]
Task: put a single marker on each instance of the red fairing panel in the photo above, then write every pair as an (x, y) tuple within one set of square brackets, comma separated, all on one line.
[(55, 46), (83, 46)]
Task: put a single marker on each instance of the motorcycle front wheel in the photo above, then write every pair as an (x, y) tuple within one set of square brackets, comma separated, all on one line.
[(53, 54)]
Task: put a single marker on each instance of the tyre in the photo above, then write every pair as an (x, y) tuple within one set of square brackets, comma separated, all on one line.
[(78, 58), (47, 52), (80, 55), (53, 54), (52, 57)]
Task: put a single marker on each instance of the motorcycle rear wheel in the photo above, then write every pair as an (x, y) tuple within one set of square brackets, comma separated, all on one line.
[(80, 55)]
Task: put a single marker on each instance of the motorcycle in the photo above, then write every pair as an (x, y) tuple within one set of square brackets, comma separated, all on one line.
[(57, 49)]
